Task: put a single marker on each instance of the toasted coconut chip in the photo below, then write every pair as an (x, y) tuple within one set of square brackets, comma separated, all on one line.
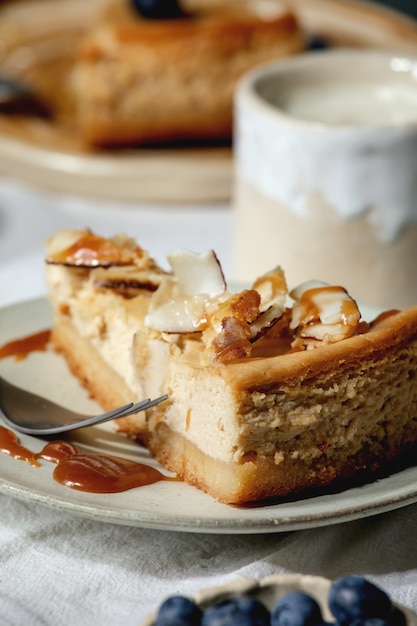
[(85, 249), (185, 316), (128, 281), (323, 314), (166, 291), (273, 292), (298, 291), (197, 273), (126, 289), (172, 312), (194, 299), (272, 287), (265, 321), (325, 333), (180, 304), (63, 239)]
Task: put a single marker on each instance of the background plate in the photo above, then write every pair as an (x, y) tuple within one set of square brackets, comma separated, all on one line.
[(39, 34), (171, 506)]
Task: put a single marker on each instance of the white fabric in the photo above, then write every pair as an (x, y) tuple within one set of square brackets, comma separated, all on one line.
[(58, 569)]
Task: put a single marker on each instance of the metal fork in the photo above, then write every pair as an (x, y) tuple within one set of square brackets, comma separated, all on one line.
[(29, 413)]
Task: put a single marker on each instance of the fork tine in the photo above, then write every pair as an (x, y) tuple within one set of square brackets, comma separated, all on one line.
[(143, 405), (118, 411), (126, 410), (63, 419)]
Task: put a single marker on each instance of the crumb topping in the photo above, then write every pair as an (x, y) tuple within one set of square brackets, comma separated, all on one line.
[(195, 298), (192, 301)]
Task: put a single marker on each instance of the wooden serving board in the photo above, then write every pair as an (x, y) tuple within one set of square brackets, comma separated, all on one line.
[(48, 156)]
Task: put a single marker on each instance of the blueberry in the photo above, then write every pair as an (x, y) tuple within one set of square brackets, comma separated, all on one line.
[(158, 9), (178, 611), (353, 597), (397, 617), (296, 609), (317, 42), (236, 611), (370, 621), (17, 98)]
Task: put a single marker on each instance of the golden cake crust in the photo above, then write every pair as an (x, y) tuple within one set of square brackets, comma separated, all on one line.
[(390, 331)]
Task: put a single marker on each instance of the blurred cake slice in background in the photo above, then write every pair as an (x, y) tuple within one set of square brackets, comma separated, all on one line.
[(141, 80)]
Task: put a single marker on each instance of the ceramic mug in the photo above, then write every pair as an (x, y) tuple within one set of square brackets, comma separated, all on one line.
[(326, 173)]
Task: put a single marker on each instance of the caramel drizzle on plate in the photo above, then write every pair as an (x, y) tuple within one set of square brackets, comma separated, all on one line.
[(21, 348), (92, 472)]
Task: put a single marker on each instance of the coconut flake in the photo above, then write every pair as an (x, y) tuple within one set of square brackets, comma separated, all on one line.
[(272, 287), (180, 304), (322, 313), (197, 273)]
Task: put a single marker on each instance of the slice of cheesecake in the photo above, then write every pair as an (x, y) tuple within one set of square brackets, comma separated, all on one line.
[(270, 393), (139, 80)]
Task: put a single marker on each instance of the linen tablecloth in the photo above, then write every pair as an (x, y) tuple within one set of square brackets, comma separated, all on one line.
[(58, 569)]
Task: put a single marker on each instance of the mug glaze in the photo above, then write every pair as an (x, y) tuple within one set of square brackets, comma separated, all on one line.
[(326, 173)]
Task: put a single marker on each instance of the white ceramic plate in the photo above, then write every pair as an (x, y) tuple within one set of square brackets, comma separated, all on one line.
[(269, 589), (165, 505)]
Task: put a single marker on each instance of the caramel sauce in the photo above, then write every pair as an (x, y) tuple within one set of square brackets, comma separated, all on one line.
[(91, 250), (20, 348), (276, 341), (57, 451), (270, 345), (93, 473), (99, 473), (9, 444), (348, 307)]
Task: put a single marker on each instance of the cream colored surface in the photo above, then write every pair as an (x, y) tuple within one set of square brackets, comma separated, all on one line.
[(380, 104)]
